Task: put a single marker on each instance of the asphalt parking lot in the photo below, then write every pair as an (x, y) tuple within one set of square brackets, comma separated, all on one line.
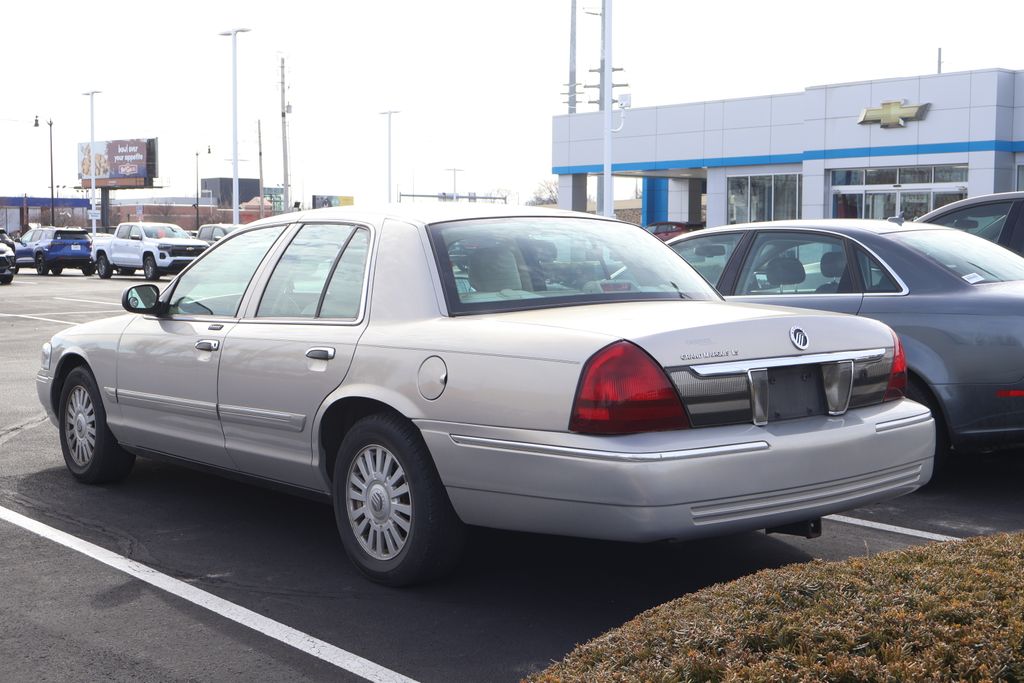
[(258, 588)]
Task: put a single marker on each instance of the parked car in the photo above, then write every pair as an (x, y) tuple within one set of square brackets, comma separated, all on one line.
[(571, 377), (953, 298), (7, 239), (156, 248), (212, 232), (51, 250), (997, 217), (7, 267), (666, 230)]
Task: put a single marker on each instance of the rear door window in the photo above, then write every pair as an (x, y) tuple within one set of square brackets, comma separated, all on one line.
[(795, 263), (983, 220), (296, 286)]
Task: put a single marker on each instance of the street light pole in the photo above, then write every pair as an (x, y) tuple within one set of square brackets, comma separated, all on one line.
[(197, 189), (92, 159), (388, 114), (49, 122), (234, 118), (608, 208)]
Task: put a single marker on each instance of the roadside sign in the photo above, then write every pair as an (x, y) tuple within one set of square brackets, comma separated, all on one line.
[(93, 214)]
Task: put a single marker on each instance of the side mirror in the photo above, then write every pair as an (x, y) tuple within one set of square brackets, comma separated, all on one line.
[(135, 237), (143, 299), (217, 238)]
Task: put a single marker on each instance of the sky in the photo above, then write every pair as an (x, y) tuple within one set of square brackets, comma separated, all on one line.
[(476, 83)]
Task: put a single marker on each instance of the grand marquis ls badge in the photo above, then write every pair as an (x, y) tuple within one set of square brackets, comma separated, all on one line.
[(799, 338)]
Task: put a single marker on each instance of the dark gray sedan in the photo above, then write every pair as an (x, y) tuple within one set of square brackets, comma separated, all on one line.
[(956, 301)]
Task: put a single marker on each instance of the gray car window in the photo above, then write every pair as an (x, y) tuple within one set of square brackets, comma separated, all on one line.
[(345, 290), (971, 259), (983, 220), (795, 263), (216, 283), (122, 231), (298, 280), (708, 255), (876, 278)]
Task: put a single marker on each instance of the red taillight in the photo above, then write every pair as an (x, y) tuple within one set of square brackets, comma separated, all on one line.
[(898, 375), (624, 391), (1009, 393)]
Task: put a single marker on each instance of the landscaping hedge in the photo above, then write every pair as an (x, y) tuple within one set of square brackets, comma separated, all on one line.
[(943, 612)]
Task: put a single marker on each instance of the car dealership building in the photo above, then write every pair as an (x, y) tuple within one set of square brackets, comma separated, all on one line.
[(853, 150)]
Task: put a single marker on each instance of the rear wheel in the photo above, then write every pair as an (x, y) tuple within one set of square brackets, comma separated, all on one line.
[(91, 452), (149, 268), (6, 279), (41, 268), (103, 268), (88, 270), (395, 520), (56, 270)]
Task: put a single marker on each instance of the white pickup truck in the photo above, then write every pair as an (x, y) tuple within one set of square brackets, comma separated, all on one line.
[(156, 248)]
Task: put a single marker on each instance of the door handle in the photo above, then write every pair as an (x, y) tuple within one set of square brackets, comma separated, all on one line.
[(320, 353), (207, 345)]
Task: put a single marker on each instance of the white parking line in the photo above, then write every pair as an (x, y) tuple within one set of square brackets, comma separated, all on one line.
[(37, 317), (89, 301), (240, 615), (894, 529), (22, 282)]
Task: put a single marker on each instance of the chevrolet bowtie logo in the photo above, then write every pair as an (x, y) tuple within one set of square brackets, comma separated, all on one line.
[(893, 113)]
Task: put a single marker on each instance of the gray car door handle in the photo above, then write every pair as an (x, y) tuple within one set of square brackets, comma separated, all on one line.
[(320, 353), (207, 345)]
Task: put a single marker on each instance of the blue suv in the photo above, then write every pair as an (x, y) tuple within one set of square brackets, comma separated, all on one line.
[(51, 250)]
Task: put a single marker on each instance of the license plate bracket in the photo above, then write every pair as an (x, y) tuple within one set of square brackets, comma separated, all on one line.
[(795, 391)]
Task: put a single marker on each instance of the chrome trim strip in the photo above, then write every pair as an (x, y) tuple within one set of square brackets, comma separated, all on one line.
[(902, 422), (183, 406), (742, 366), (589, 454), (271, 419), (111, 393)]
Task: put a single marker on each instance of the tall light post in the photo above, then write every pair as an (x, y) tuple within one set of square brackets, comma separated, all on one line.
[(49, 123), (234, 118), (92, 159), (388, 114), (608, 208)]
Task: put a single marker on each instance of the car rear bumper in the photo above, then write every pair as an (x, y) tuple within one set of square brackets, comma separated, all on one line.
[(684, 484), (69, 261)]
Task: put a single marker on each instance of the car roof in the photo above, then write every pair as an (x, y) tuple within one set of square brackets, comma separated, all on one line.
[(971, 201), (424, 214), (845, 226)]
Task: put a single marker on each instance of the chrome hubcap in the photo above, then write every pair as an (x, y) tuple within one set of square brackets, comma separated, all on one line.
[(80, 426), (379, 502)]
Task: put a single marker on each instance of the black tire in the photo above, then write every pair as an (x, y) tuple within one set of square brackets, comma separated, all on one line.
[(126, 271), (6, 279), (41, 268), (91, 452), (15, 269), (103, 268), (88, 270), (918, 391), (56, 270), (149, 270), (432, 543)]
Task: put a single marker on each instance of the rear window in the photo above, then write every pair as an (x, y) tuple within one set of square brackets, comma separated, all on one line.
[(523, 263), (972, 259), (71, 235)]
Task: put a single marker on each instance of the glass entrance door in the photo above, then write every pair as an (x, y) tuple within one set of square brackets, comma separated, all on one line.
[(914, 204), (880, 205)]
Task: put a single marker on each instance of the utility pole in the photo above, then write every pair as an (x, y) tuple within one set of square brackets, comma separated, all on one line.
[(259, 144), (572, 59), (940, 60), (608, 208), (389, 114), (285, 109)]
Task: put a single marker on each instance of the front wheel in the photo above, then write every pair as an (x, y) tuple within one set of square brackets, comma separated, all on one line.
[(918, 391), (149, 270), (6, 279), (56, 270), (41, 268), (91, 452), (103, 268), (395, 520)]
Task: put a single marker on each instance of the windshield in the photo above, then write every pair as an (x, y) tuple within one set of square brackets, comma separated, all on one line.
[(159, 232), (970, 258), (521, 263)]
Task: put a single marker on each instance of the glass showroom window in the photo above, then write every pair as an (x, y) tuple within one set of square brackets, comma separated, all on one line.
[(764, 197), (883, 192)]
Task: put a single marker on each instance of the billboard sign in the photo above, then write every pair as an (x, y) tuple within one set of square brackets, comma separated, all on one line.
[(118, 163), (323, 200)]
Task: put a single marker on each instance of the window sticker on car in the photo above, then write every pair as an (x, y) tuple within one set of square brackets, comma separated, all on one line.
[(973, 278)]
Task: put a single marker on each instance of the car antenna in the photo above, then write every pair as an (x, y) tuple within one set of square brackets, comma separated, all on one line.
[(897, 219)]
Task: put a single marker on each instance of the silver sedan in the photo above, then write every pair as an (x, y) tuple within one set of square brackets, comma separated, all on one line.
[(543, 371)]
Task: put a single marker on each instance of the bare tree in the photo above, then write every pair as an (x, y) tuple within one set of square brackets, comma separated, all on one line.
[(546, 193)]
